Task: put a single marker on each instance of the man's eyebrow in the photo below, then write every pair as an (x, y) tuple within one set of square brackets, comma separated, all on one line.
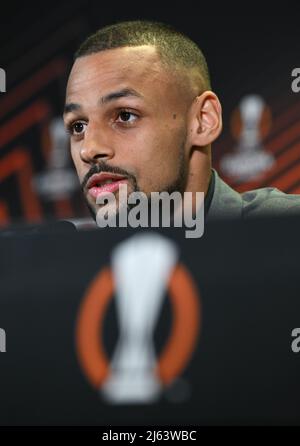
[(69, 108), (125, 92)]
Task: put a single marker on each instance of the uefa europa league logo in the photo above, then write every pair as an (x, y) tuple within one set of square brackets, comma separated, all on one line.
[(143, 268)]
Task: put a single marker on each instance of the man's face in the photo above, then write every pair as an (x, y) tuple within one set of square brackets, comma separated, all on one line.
[(127, 117)]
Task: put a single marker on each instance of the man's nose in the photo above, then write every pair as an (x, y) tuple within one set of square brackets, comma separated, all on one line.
[(96, 147)]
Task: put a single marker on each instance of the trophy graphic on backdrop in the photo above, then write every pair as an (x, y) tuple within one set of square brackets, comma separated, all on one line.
[(58, 181), (142, 266), (250, 124)]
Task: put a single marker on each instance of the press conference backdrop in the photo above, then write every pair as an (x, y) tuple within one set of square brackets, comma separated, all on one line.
[(251, 60)]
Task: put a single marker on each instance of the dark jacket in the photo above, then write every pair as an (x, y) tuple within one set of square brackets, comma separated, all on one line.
[(265, 202)]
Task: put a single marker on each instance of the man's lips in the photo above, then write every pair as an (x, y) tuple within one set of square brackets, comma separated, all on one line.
[(103, 183)]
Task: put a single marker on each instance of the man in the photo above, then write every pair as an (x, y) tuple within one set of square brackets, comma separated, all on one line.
[(140, 111)]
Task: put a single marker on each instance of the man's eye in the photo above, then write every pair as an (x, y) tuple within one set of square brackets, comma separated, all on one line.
[(126, 116), (77, 128)]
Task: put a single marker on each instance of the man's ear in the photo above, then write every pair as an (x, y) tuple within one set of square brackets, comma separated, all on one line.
[(205, 119)]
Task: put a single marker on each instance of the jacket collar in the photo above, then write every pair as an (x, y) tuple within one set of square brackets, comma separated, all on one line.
[(225, 202)]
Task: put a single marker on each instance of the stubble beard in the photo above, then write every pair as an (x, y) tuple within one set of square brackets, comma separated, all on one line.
[(178, 185)]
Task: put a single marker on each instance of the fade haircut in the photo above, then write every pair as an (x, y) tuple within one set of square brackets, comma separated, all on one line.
[(176, 50)]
